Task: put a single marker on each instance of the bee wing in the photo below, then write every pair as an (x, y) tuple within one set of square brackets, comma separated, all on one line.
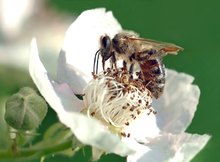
[(168, 48)]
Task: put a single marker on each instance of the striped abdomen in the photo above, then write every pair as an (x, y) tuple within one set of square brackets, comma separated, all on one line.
[(153, 74)]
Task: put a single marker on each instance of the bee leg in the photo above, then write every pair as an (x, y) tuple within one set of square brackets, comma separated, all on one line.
[(131, 71), (113, 61), (105, 57), (103, 65), (124, 65), (139, 75)]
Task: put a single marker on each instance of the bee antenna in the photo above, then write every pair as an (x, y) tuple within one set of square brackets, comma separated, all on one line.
[(96, 61)]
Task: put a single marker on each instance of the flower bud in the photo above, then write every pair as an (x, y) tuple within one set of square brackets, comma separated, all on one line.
[(25, 110)]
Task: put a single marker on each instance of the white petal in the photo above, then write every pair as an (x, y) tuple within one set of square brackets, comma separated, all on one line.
[(171, 148), (82, 40), (68, 74), (187, 146), (58, 96), (88, 131), (143, 127), (177, 105)]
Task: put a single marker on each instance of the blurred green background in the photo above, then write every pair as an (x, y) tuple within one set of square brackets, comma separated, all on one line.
[(194, 25)]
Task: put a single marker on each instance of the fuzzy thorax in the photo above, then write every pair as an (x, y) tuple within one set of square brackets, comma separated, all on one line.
[(116, 99)]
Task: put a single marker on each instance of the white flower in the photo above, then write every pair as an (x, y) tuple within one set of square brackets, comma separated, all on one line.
[(159, 137), (60, 93)]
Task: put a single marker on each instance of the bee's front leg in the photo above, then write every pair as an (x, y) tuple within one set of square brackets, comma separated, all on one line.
[(103, 64), (113, 61)]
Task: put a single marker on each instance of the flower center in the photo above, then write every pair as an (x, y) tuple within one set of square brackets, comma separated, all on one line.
[(116, 99)]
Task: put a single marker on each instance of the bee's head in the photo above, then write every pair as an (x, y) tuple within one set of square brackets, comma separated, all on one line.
[(105, 51), (106, 47), (106, 43)]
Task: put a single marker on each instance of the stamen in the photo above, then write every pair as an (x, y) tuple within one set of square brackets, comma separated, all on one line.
[(116, 100)]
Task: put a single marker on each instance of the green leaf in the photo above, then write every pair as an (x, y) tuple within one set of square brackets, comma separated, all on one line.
[(58, 133), (25, 110), (4, 135)]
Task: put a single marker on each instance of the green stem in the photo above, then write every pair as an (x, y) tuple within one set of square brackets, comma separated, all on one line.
[(39, 151)]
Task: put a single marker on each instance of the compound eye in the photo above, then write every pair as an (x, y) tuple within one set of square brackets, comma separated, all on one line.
[(106, 42)]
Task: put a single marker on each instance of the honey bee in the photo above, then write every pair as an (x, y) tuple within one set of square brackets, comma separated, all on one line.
[(132, 49)]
